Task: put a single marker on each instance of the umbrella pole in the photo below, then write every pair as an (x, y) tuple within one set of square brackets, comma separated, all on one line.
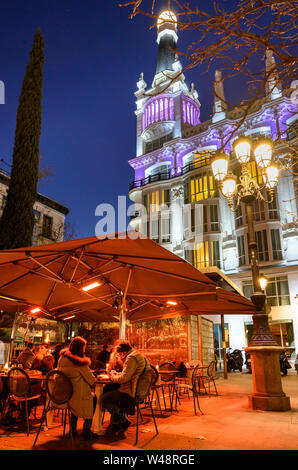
[(223, 339), (123, 309), (12, 337), (122, 322)]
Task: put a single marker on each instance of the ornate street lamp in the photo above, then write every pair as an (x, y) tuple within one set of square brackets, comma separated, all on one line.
[(267, 389)]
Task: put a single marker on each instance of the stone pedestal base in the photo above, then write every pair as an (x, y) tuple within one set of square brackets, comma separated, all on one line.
[(269, 403), (267, 392)]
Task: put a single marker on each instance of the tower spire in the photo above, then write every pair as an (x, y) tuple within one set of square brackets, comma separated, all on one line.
[(167, 41)]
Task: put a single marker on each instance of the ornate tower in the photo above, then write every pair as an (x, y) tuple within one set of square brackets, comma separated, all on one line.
[(169, 105)]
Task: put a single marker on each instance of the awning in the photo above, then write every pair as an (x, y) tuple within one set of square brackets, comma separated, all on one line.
[(139, 271)]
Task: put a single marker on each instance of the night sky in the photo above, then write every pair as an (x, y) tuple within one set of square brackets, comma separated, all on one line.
[(93, 58)]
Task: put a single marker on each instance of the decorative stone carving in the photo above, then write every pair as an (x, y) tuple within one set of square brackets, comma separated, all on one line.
[(177, 192)]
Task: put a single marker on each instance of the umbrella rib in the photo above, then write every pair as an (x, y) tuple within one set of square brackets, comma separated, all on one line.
[(127, 255), (102, 274), (45, 267), (55, 282), (177, 276), (76, 266), (165, 296), (32, 271), (26, 258), (92, 299), (132, 311), (82, 279)]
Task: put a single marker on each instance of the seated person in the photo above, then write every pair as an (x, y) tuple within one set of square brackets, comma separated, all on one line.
[(56, 353), (27, 356), (75, 365), (43, 360), (103, 357), (121, 401)]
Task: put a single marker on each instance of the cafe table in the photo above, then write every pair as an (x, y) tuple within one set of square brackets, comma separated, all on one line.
[(101, 380), (165, 372)]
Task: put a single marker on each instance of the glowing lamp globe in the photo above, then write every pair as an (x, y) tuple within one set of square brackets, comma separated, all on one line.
[(263, 153), (242, 148), (271, 176), (228, 186), (167, 17), (263, 282), (219, 167)]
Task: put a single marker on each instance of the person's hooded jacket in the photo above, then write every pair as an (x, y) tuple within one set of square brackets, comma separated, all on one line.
[(77, 369)]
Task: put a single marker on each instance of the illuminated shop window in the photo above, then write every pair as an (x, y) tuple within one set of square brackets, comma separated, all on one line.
[(203, 255), (202, 187), (155, 200)]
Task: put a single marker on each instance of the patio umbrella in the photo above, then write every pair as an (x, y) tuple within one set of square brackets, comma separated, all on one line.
[(107, 280)]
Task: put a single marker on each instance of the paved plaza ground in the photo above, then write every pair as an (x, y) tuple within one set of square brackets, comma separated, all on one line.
[(227, 424)]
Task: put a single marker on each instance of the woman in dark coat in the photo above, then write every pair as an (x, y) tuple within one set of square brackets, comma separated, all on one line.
[(75, 365)]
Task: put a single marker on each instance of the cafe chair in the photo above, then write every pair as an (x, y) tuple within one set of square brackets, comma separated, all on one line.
[(169, 381), (193, 388), (209, 378), (143, 396), (19, 388), (59, 391), (155, 387)]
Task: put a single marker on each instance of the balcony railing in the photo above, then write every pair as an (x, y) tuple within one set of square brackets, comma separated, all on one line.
[(166, 175)]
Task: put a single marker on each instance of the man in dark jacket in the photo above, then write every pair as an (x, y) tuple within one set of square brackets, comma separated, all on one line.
[(43, 361), (27, 356), (103, 357)]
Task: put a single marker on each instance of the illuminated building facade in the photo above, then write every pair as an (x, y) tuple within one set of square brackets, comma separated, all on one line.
[(173, 172)]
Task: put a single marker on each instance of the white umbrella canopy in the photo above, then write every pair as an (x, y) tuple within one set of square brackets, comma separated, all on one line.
[(132, 276)]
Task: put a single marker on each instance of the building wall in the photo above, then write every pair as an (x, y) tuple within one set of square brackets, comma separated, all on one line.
[(222, 242), (42, 233)]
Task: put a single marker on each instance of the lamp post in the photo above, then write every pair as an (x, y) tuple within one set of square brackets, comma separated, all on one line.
[(264, 351)]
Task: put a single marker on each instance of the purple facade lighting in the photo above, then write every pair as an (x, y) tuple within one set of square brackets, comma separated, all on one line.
[(190, 111), (157, 110)]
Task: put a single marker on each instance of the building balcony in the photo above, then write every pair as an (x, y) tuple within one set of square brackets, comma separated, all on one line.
[(171, 174)]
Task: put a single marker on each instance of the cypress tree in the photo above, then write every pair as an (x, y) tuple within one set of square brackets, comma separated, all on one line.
[(17, 222)]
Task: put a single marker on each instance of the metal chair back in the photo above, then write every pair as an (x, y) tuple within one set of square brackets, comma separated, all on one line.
[(211, 369), (167, 366), (18, 382), (144, 384), (59, 387), (155, 375), (195, 377)]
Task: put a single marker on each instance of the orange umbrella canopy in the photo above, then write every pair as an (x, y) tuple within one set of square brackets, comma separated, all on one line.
[(155, 283)]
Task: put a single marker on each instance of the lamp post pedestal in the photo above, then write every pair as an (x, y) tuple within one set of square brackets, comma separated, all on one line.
[(267, 392)]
